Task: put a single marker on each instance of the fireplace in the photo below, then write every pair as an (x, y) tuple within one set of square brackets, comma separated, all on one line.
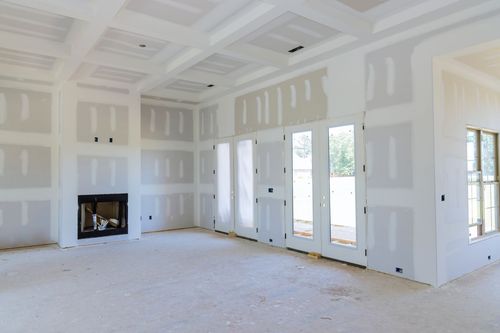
[(102, 215)]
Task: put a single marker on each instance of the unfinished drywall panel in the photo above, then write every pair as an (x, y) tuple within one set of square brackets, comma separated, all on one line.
[(390, 240), (271, 215), (345, 85), (165, 212), (207, 216), (298, 100), (207, 166), (167, 167), (25, 166), (25, 110), (102, 123), (166, 123), (270, 163), (389, 156), (208, 125), (25, 223), (463, 101), (102, 175), (389, 75)]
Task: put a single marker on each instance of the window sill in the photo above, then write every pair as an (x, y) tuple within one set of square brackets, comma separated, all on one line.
[(485, 237)]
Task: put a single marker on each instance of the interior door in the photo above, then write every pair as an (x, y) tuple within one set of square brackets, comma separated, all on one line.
[(206, 187), (224, 197), (245, 201), (343, 190), (303, 226), (270, 158)]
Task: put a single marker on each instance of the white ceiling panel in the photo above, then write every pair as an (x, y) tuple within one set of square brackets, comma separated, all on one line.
[(33, 23), (130, 44), (117, 75), (187, 86), (487, 61), (183, 12), (219, 64), (362, 5), (25, 59), (290, 31)]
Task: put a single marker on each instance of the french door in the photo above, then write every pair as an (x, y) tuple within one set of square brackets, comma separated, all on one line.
[(224, 197), (245, 204), (326, 189)]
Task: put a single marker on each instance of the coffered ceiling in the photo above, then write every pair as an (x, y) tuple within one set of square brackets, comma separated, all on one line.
[(192, 50)]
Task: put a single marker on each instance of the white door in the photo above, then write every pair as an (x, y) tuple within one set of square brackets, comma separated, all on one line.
[(343, 190), (303, 221), (206, 188), (224, 197), (245, 201), (270, 187)]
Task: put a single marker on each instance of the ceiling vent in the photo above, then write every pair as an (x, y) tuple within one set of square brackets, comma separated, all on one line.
[(300, 47)]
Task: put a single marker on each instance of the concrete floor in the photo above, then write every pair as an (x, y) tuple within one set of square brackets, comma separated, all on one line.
[(199, 281)]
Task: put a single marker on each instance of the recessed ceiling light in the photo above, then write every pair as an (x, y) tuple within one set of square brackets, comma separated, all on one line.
[(142, 45), (210, 86)]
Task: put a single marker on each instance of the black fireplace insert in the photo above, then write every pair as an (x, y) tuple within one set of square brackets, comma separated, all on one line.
[(102, 215)]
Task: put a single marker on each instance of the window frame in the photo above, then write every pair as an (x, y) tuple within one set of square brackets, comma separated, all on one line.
[(481, 232)]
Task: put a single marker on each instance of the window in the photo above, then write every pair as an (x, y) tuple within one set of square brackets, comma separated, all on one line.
[(482, 181)]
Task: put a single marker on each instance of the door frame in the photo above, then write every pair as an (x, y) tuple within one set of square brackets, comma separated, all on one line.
[(355, 255), (296, 242)]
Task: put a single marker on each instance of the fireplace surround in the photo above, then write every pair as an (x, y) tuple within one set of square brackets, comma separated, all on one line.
[(102, 215)]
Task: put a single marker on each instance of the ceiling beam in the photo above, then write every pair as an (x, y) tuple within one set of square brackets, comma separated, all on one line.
[(86, 35), (145, 25), (23, 72), (81, 10), (33, 45), (122, 62), (252, 18)]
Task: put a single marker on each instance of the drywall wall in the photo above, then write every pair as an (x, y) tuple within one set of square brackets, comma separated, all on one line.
[(167, 165), (382, 82), (111, 164), (28, 167), (461, 100)]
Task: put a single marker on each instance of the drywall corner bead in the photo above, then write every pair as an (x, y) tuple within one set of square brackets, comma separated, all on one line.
[(298, 100), (25, 111), (208, 122)]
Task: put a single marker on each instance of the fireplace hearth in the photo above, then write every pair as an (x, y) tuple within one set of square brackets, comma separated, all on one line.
[(102, 215)]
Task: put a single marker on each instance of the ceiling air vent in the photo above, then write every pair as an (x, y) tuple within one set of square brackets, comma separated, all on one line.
[(300, 47)]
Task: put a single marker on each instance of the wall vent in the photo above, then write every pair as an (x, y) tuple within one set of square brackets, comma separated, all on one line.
[(295, 49)]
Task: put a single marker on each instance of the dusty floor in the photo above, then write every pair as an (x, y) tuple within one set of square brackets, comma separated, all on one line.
[(198, 281)]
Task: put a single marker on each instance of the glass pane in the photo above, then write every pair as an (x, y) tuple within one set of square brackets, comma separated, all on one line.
[(302, 185), (224, 182), (342, 185), (490, 192), (488, 157), (245, 193), (472, 152), (474, 203)]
